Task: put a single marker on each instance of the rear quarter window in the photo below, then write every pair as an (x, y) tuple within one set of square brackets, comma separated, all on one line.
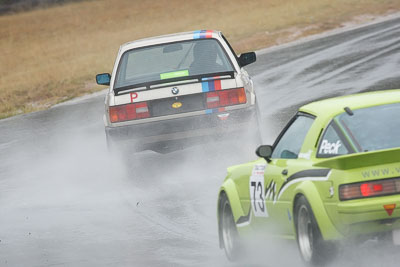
[(331, 144)]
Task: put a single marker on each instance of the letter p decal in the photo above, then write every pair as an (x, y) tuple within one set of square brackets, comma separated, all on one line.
[(133, 96)]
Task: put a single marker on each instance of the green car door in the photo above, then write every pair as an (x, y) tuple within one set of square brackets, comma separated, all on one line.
[(264, 193)]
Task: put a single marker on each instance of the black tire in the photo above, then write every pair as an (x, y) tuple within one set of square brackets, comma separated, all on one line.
[(257, 136), (229, 235), (386, 240), (314, 250), (260, 129), (111, 145)]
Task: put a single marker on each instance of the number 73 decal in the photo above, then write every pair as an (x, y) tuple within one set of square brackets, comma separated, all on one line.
[(256, 187)]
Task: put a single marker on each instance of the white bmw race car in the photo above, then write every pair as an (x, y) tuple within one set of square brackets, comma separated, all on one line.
[(175, 87)]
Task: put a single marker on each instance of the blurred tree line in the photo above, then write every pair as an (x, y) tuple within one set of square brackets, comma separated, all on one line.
[(12, 6)]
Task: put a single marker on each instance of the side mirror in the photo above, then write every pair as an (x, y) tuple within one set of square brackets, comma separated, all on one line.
[(247, 58), (103, 79), (264, 151)]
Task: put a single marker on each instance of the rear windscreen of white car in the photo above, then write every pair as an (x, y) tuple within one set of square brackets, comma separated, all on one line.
[(172, 60), (372, 128)]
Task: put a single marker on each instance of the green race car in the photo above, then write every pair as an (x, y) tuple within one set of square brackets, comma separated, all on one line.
[(332, 174)]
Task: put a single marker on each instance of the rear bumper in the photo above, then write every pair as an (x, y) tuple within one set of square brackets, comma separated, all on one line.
[(365, 217), (184, 128)]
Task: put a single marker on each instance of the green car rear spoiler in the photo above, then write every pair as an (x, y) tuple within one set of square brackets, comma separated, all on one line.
[(363, 159)]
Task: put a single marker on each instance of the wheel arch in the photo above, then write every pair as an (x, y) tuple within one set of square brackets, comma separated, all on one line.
[(228, 189), (311, 194)]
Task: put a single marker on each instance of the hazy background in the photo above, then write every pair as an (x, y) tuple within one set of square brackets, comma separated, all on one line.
[(64, 201)]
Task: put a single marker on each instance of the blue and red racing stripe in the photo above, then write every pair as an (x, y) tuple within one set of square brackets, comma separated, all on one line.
[(202, 34), (210, 86)]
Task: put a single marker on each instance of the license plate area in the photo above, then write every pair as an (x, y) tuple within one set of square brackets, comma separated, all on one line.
[(396, 237), (176, 105)]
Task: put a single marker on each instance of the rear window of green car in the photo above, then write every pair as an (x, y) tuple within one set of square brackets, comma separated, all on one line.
[(368, 129)]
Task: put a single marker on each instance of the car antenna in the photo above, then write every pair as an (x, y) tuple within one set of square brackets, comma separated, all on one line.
[(349, 111)]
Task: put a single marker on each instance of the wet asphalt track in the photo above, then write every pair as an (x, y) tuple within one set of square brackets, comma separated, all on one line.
[(65, 202)]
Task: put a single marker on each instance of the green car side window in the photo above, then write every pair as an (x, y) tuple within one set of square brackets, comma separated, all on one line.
[(290, 143), (331, 144)]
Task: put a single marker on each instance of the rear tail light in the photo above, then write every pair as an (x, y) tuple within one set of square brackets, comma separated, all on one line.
[(369, 189), (226, 98), (129, 112), (213, 100), (142, 110)]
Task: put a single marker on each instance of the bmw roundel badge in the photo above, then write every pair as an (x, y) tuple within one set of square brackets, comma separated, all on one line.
[(175, 90)]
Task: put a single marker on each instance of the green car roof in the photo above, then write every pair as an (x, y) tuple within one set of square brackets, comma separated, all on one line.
[(333, 106)]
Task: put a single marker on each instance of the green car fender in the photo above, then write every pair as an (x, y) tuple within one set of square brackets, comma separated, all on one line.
[(311, 193), (229, 189)]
